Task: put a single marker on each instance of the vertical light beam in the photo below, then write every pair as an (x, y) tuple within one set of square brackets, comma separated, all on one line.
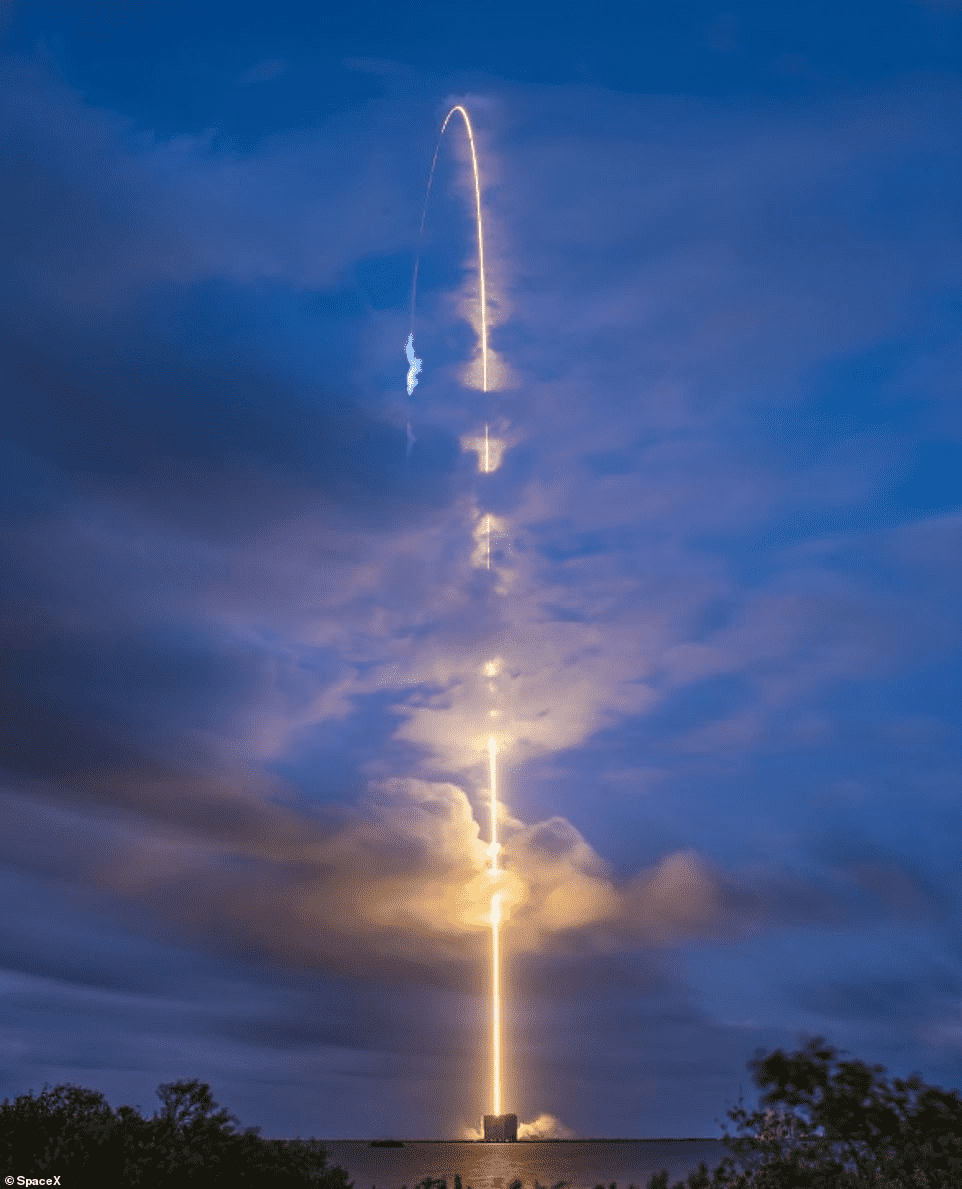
[(494, 846), (493, 850)]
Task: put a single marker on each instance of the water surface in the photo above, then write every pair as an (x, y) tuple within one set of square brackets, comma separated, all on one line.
[(583, 1164)]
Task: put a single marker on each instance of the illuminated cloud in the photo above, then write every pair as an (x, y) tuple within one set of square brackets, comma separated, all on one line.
[(414, 365), (488, 448), (404, 881), (545, 1126)]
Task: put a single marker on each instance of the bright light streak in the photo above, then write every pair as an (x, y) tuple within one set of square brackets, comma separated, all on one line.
[(488, 449), (496, 1009), (487, 530), (493, 774), (493, 850), (462, 112), (492, 457)]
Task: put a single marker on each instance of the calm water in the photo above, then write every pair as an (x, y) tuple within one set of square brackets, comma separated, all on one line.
[(582, 1163)]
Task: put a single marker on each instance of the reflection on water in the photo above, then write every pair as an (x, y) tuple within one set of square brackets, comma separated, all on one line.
[(581, 1164)]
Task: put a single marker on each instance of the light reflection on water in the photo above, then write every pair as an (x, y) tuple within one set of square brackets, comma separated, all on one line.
[(582, 1164)]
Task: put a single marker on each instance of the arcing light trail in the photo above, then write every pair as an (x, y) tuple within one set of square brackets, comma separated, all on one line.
[(462, 112), (414, 367)]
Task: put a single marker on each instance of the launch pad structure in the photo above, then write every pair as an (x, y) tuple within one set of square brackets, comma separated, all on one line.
[(501, 1129)]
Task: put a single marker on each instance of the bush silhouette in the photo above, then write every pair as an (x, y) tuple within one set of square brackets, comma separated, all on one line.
[(829, 1124), (73, 1132)]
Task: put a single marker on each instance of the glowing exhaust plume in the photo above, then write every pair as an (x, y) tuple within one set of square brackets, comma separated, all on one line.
[(487, 529), (493, 850), (488, 449)]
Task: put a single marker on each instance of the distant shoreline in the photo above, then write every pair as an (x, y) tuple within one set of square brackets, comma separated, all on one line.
[(673, 1139)]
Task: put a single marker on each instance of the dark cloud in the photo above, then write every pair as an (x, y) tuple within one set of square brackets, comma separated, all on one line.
[(132, 367), (885, 998), (219, 445)]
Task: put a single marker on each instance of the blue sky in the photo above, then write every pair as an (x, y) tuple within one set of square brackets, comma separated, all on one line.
[(242, 798)]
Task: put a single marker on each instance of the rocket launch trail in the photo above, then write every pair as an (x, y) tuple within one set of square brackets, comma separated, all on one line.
[(493, 850), (482, 294), (414, 367)]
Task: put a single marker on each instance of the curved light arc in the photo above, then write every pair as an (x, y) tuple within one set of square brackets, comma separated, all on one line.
[(463, 113)]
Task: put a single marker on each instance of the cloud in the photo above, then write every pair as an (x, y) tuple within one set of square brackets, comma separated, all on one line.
[(396, 887), (401, 883), (567, 609), (545, 1126)]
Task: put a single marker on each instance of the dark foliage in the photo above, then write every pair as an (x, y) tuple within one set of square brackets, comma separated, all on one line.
[(701, 1178), (829, 1124), (74, 1133)]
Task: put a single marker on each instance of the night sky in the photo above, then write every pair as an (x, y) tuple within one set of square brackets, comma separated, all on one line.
[(242, 797)]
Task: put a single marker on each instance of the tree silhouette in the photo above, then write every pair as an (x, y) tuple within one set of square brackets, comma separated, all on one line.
[(835, 1123), (829, 1124), (72, 1131)]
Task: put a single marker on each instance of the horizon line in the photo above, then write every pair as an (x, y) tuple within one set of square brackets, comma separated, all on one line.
[(590, 1139)]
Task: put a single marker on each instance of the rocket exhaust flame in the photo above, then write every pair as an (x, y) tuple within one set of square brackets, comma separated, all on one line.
[(496, 1008), (493, 850)]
